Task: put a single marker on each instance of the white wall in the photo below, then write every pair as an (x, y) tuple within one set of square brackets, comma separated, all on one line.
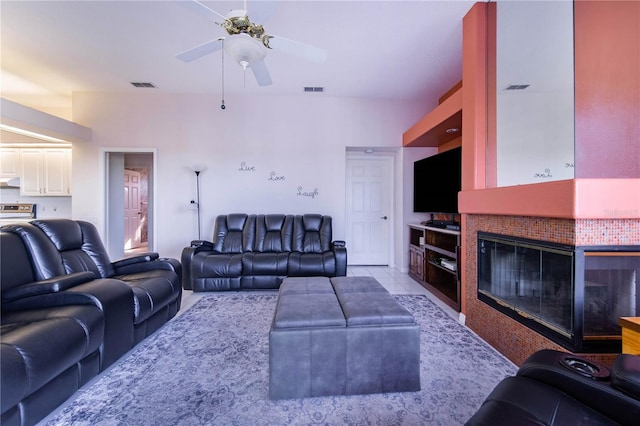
[(300, 139)]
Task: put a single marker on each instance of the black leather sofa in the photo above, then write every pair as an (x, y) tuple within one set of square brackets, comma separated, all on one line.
[(558, 388), (251, 251), (68, 312)]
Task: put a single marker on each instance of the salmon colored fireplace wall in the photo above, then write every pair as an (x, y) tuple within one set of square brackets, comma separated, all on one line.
[(607, 89), (600, 207), (510, 337)]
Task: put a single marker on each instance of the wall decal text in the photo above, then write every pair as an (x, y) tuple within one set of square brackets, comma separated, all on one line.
[(245, 168), (313, 194), (545, 175), (274, 177)]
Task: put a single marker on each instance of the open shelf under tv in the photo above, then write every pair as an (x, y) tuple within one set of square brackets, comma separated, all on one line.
[(434, 261)]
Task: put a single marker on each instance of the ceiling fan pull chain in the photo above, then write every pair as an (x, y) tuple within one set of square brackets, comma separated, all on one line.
[(222, 50)]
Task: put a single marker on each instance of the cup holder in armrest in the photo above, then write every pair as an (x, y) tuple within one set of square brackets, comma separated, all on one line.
[(585, 368)]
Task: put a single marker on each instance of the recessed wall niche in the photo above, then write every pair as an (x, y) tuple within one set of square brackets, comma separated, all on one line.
[(533, 98)]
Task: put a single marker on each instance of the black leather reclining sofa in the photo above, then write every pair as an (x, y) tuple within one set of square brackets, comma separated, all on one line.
[(68, 312), (555, 388), (251, 251)]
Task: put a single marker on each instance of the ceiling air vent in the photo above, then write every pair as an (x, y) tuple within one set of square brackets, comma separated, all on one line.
[(143, 84), (517, 87), (314, 89)]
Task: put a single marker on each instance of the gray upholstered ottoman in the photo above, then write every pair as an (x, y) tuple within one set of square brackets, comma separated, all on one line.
[(341, 336)]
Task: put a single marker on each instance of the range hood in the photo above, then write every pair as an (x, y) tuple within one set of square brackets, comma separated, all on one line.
[(13, 182)]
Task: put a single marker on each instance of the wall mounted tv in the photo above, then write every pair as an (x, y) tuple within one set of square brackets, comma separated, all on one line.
[(436, 182)]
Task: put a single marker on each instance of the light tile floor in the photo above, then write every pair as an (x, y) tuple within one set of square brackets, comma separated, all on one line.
[(395, 281)]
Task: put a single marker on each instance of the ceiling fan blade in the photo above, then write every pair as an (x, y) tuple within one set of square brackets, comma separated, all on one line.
[(296, 48), (202, 50), (261, 11), (199, 7), (261, 73)]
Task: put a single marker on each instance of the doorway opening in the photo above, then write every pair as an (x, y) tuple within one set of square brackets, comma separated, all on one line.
[(129, 213)]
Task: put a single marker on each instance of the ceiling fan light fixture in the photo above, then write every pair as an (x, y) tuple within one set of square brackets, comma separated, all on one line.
[(248, 43), (244, 49)]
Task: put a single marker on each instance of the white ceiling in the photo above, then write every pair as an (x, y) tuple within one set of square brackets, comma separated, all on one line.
[(406, 50)]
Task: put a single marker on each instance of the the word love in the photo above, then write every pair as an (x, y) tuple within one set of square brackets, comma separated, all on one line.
[(274, 177)]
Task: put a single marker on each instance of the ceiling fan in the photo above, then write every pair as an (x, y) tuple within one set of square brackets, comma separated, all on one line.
[(247, 42)]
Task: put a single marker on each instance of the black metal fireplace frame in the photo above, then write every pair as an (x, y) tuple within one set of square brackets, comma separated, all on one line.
[(575, 340)]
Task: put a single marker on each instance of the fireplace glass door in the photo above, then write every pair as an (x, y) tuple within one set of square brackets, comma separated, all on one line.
[(610, 291), (534, 281), (575, 296)]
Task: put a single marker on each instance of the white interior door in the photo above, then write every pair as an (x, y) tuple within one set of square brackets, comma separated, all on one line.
[(369, 209), (132, 213)]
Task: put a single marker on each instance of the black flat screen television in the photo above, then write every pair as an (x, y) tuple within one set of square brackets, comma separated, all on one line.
[(437, 181)]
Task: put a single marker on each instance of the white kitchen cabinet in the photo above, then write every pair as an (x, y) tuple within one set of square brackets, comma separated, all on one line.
[(45, 172), (9, 162), (31, 171)]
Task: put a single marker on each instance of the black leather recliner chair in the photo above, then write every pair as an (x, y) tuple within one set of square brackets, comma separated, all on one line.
[(68, 312), (259, 251), (50, 347), (63, 246), (560, 389)]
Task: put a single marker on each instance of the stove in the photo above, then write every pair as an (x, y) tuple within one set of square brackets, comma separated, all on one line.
[(13, 213)]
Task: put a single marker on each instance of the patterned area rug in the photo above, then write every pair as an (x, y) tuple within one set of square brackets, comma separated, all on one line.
[(210, 365)]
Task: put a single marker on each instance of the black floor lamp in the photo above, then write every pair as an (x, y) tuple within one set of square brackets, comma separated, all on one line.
[(197, 200)]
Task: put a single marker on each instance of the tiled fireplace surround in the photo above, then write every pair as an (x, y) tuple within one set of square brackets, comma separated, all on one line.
[(511, 338)]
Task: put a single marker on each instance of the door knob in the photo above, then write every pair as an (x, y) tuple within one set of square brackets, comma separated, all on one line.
[(384, 217)]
